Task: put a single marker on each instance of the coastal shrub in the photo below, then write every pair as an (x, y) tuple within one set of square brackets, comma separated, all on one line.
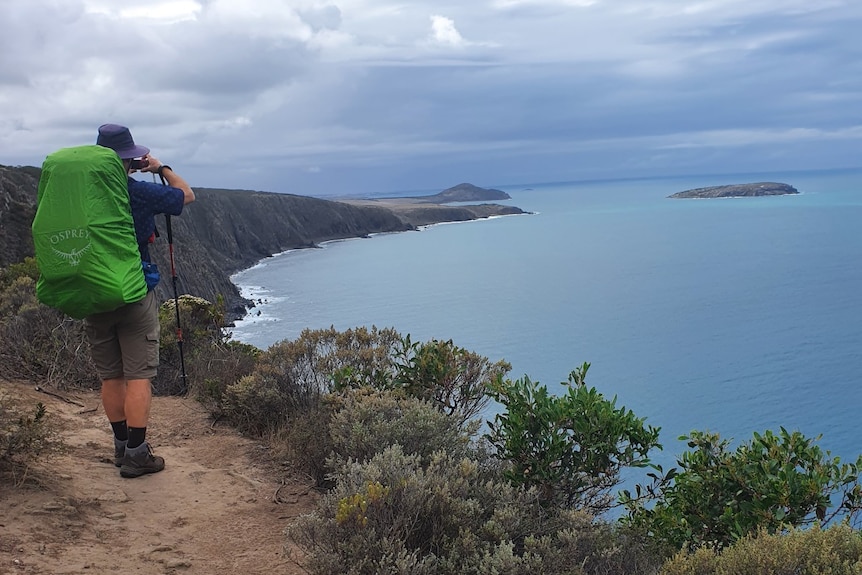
[(212, 360), (26, 268), (370, 421), (355, 425), (27, 435), (771, 483), (815, 551), (292, 376), (350, 359), (17, 296), (40, 343), (392, 514), (215, 367), (304, 442), (570, 447), (453, 379)]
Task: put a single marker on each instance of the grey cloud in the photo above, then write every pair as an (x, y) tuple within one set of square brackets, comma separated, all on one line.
[(329, 99), (323, 17)]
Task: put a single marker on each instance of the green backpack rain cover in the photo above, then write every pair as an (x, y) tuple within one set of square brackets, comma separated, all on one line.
[(84, 235)]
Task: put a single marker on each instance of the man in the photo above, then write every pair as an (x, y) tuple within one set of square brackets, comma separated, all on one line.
[(125, 342)]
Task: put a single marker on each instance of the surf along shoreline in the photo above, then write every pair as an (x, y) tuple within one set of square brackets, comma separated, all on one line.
[(415, 211)]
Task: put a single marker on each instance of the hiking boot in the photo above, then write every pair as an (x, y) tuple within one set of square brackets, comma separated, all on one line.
[(140, 460), (119, 451)]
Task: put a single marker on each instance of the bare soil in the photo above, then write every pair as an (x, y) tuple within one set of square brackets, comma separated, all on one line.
[(220, 506)]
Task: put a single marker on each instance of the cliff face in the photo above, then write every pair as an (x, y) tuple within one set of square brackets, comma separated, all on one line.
[(18, 187), (225, 231)]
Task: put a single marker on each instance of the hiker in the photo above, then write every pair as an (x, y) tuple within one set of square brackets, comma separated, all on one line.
[(125, 341)]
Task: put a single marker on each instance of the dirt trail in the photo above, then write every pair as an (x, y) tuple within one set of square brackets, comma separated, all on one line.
[(218, 507)]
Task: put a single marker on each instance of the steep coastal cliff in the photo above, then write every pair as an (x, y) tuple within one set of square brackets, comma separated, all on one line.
[(225, 231)]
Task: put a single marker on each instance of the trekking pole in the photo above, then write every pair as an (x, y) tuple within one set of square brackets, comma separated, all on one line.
[(185, 386)]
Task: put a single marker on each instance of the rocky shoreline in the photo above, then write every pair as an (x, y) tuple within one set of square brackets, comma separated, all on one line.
[(229, 230)]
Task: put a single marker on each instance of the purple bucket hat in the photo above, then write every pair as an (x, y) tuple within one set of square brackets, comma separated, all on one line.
[(119, 139)]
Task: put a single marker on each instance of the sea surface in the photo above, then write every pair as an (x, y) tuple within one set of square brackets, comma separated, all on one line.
[(728, 315)]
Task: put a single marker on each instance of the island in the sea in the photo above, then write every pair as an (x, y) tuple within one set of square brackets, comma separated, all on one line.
[(739, 191)]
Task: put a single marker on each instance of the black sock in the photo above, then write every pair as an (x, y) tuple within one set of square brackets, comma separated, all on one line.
[(121, 431), (137, 435)]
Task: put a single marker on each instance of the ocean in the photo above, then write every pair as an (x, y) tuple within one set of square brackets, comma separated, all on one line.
[(728, 315)]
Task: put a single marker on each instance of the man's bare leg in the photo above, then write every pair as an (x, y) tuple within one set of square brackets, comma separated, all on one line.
[(138, 398), (114, 398)]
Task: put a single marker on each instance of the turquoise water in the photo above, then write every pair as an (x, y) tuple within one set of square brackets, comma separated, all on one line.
[(733, 315)]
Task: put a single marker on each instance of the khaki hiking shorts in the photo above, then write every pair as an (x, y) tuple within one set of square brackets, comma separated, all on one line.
[(124, 343)]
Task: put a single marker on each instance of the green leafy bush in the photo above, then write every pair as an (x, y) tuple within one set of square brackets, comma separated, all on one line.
[(773, 482), (571, 447), (454, 379), (392, 514), (815, 551)]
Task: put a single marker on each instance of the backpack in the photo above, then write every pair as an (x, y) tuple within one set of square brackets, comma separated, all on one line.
[(83, 233)]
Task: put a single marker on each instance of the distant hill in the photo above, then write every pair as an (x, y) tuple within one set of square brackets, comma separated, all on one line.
[(739, 191), (465, 193), (225, 231)]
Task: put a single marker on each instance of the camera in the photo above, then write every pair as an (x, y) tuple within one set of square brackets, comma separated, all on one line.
[(140, 164)]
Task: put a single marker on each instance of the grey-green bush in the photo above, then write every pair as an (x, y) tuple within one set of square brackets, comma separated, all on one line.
[(292, 376), (370, 421), (814, 551), (27, 435), (40, 343), (356, 425), (392, 514)]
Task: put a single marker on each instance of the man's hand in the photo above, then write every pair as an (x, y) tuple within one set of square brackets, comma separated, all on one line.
[(153, 166), (172, 178)]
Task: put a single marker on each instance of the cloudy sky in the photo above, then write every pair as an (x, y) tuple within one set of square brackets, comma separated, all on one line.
[(324, 97)]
